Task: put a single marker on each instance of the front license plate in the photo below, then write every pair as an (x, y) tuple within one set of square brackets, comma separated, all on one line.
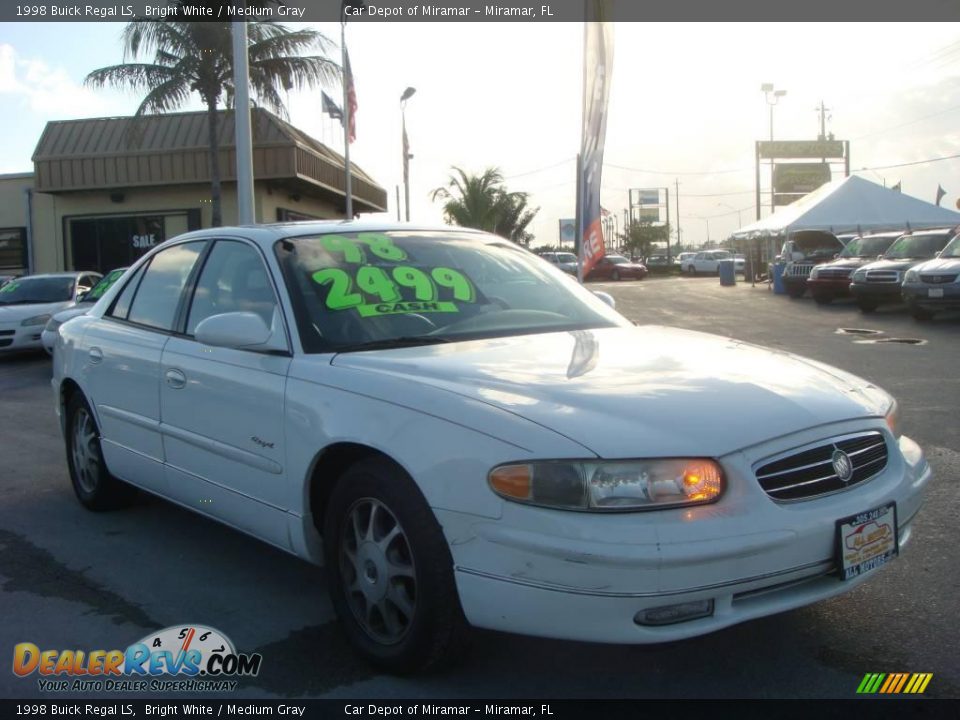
[(935, 292), (867, 541)]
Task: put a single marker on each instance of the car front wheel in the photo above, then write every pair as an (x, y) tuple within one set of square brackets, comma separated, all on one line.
[(93, 484), (390, 570)]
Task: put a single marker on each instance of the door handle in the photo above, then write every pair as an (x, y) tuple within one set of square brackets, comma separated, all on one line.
[(95, 354), (175, 378)]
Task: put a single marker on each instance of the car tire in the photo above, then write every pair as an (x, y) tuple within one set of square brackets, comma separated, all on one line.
[(796, 293), (615, 276), (821, 299), (921, 315), (867, 307), (95, 487), (390, 570)]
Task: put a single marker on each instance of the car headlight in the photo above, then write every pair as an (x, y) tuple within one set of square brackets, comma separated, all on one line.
[(911, 276), (814, 273), (611, 485), (52, 325), (860, 276), (892, 416), (35, 320)]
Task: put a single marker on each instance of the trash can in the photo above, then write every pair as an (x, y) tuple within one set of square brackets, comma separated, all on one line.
[(778, 287), (728, 272)]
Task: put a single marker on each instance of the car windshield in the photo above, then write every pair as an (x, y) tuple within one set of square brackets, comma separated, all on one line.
[(916, 246), (356, 291), (617, 259), (867, 246), (566, 257), (30, 290), (101, 287), (952, 250)]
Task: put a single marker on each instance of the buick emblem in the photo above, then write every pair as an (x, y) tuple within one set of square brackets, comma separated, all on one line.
[(842, 466)]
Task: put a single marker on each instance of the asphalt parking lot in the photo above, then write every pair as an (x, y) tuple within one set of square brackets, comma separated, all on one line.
[(73, 579)]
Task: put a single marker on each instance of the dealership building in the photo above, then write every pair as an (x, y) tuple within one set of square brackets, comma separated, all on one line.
[(105, 190)]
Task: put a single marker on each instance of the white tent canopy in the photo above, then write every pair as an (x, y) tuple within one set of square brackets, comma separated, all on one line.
[(851, 204)]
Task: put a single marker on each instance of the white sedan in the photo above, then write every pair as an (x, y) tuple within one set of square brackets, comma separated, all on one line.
[(85, 301), (465, 437), (708, 262), (27, 303)]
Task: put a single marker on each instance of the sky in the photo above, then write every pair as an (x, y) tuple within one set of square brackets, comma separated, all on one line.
[(685, 106)]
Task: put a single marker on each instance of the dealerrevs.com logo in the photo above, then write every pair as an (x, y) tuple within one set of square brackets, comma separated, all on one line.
[(176, 659)]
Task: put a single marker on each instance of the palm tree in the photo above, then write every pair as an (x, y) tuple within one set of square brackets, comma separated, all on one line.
[(197, 57), (483, 202)]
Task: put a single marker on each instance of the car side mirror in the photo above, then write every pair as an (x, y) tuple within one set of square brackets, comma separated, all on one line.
[(82, 295), (242, 331), (606, 297), (879, 257)]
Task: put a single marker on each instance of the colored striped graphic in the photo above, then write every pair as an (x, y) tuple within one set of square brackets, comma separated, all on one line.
[(894, 683)]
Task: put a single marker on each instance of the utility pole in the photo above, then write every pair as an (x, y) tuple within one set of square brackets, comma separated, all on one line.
[(823, 120), (677, 181)]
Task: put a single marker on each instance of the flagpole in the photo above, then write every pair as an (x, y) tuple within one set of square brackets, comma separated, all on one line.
[(346, 125)]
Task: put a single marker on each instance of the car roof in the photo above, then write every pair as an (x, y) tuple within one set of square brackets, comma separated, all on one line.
[(71, 274), (269, 233)]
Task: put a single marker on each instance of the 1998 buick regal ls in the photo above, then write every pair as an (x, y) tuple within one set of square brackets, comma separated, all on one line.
[(463, 436)]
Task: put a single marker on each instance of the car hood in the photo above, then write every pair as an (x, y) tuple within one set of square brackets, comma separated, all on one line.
[(944, 265), (16, 313), (623, 392), (903, 264), (850, 262)]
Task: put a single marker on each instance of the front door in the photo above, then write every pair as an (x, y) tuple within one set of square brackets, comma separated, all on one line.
[(223, 409)]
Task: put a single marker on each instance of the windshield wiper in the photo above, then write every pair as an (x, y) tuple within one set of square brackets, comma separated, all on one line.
[(397, 342)]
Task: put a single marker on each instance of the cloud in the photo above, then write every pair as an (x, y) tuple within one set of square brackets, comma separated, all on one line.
[(49, 91)]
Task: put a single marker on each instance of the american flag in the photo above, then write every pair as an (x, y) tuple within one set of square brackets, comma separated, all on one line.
[(604, 212), (351, 98)]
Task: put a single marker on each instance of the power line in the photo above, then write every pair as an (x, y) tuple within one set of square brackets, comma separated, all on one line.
[(677, 172), (532, 172), (909, 122), (915, 162)]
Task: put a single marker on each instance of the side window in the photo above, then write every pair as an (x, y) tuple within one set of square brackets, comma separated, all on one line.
[(121, 307), (233, 279), (155, 304)]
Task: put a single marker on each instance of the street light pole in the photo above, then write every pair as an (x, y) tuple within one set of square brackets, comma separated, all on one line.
[(768, 92), (407, 94)]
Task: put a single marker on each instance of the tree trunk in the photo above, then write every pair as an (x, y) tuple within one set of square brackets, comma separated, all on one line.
[(214, 163)]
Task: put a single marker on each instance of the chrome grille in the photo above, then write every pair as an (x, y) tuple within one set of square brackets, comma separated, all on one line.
[(834, 273), (938, 279), (799, 270), (810, 472), (883, 276)]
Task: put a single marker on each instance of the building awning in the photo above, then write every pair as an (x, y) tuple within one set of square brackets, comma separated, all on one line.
[(172, 149)]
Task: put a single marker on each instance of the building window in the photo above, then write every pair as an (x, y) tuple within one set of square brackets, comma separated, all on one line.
[(103, 244), (13, 248)]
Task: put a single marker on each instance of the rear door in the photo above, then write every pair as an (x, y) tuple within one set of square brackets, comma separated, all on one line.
[(122, 364)]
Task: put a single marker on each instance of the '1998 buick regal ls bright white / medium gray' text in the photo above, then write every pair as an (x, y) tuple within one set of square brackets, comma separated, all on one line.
[(463, 436)]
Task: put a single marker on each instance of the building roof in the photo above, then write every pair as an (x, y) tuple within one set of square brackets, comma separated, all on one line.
[(172, 149)]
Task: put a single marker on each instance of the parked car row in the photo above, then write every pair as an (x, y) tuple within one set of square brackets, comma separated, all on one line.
[(920, 268), (609, 267), (27, 304)]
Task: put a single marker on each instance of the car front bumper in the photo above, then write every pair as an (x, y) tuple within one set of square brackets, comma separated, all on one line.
[(583, 576), (15, 337), (918, 294), (876, 292), (834, 287)]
